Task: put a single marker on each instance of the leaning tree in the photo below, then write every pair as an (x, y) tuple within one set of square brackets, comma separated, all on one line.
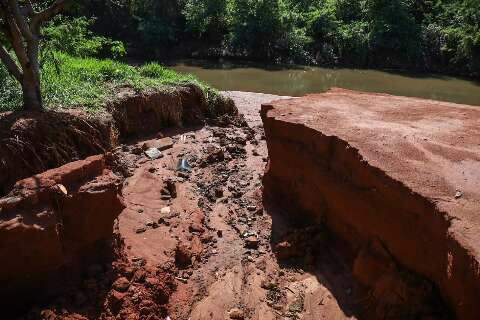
[(20, 23)]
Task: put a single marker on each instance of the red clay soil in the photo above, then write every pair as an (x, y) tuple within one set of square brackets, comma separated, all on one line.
[(397, 178), (141, 114), (56, 220), (201, 245), (31, 143), (206, 244)]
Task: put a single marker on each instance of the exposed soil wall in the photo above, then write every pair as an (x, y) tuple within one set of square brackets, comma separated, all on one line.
[(141, 114), (56, 222), (354, 161), (34, 142)]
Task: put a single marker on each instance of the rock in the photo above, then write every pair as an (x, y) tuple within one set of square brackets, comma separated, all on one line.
[(183, 255), (165, 210), (285, 250), (207, 238), (252, 242), (240, 140), (163, 221), (140, 230), (218, 192), (236, 314), (235, 149), (115, 300), (183, 174), (251, 208), (219, 233), (139, 276), (152, 224), (137, 150), (121, 284), (214, 154), (164, 143), (153, 153), (171, 187), (196, 227)]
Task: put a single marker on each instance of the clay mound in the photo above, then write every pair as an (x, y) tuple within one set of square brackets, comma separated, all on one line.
[(398, 171), (53, 222)]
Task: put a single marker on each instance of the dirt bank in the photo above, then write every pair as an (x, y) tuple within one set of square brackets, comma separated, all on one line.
[(397, 178), (31, 143), (52, 223)]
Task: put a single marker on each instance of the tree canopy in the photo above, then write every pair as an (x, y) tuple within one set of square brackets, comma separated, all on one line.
[(431, 35)]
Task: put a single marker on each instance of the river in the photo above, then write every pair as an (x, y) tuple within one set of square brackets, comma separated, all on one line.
[(297, 81)]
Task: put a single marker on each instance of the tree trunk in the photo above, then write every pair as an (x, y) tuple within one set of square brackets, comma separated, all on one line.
[(32, 97)]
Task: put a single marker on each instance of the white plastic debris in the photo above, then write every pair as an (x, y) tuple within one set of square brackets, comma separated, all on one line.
[(153, 153)]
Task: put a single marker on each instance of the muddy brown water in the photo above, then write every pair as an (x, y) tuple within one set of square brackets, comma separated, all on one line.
[(297, 81)]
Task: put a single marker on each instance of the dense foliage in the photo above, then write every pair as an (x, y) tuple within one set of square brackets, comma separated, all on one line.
[(440, 35)]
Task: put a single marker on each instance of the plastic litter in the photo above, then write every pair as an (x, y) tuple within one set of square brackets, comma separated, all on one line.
[(183, 165)]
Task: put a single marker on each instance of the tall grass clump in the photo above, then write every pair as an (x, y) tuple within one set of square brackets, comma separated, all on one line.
[(69, 82)]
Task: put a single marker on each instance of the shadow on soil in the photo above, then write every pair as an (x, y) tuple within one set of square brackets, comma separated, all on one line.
[(314, 251)]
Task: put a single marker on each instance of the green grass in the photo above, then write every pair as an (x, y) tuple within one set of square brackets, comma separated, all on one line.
[(70, 82)]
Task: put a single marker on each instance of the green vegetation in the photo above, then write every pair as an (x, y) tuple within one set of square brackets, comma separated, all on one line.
[(72, 77), (430, 35), (89, 82), (73, 36)]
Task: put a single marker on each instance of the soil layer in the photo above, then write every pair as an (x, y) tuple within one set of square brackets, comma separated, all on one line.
[(32, 142), (396, 178)]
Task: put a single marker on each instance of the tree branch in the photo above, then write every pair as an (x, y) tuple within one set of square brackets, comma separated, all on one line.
[(29, 7), (20, 20), (17, 42), (50, 12), (10, 63)]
